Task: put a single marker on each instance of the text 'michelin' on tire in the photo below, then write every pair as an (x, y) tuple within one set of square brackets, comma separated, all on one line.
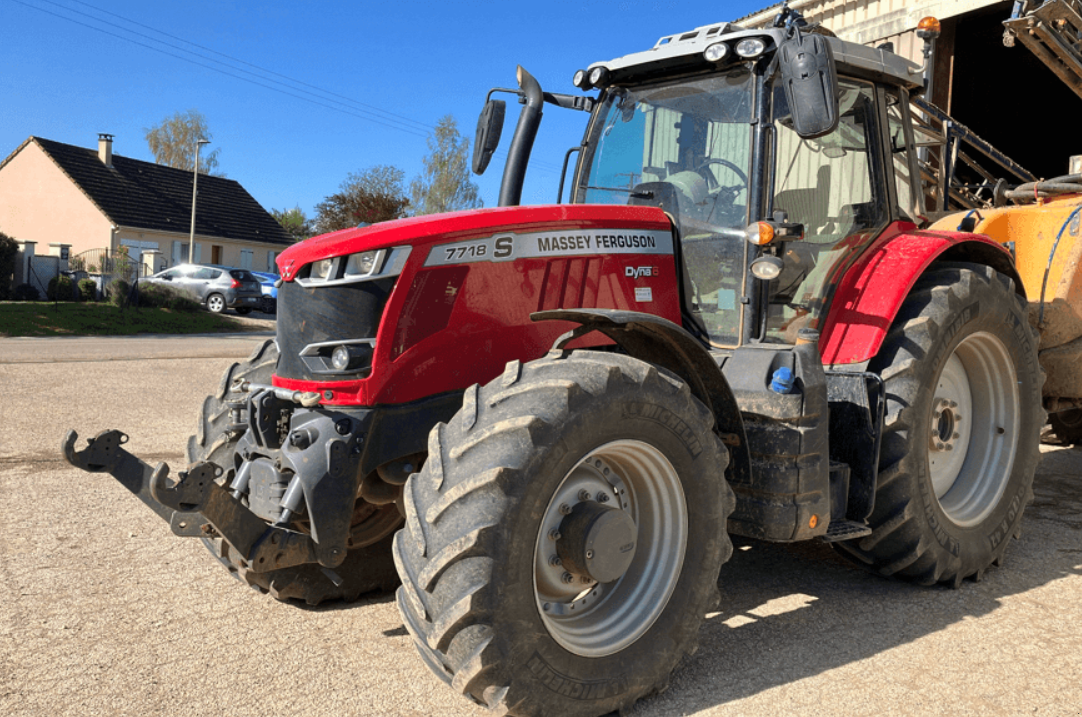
[(563, 540), (961, 441)]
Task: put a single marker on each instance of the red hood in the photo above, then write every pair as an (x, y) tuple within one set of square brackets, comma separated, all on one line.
[(439, 228)]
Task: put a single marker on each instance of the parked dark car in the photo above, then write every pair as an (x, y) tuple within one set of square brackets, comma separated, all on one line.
[(215, 286), (267, 283)]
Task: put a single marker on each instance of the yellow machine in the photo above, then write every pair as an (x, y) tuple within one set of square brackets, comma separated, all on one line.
[(1044, 232)]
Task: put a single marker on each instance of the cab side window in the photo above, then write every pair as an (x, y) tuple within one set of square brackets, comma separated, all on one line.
[(909, 195), (833, 186)]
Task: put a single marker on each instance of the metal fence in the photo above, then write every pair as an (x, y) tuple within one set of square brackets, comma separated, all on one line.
[(104, 265)]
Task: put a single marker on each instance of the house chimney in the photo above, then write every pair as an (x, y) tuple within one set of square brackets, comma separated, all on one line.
[(105, 149)]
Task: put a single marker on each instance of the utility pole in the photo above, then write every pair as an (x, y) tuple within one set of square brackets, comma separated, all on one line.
[(195, 183)]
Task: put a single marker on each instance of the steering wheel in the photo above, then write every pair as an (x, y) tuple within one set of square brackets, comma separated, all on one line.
[(711, 181)]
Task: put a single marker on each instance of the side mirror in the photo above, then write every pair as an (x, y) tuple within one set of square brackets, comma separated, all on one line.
[(811, 84), (489, 129)]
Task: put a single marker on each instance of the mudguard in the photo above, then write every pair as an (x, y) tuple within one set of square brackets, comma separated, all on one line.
[(872, 291), (666, 344)]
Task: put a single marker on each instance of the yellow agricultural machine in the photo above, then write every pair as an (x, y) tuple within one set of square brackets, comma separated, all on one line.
[(1042, 230)]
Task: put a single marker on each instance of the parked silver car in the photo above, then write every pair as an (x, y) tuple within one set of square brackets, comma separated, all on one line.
[(215, 286)]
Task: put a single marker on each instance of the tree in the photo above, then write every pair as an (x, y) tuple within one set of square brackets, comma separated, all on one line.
[(295, 222), (373, 195), (172, 142), (444, 185), (9, 249)]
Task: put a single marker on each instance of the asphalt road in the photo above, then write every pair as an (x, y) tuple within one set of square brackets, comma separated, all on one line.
[(103, 611)]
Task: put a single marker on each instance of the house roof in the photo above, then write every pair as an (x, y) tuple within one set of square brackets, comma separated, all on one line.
[(137, 194)]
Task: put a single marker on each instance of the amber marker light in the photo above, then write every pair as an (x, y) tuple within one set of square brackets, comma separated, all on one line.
[(814, 521), (760, 233)]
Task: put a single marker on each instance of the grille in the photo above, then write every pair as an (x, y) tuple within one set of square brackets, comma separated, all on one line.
[(308, 315)]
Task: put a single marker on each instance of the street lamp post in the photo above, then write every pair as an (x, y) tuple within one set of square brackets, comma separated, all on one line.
[(195, 183)]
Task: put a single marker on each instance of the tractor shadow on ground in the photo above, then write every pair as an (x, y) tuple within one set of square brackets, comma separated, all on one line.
[(789, 612)]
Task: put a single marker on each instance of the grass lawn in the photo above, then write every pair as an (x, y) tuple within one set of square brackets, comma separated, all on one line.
[(34, 318)]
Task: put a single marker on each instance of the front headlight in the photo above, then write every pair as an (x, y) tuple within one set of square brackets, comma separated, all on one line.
[(322, 269), (716, 52), (363, 264), (750, 47), (340, 358)]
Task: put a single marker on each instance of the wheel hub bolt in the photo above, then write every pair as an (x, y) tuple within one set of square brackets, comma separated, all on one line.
[(565, 509), (554, 561), (554, 534), (568, 578), (602, 497), (589, 554), (584, 494)]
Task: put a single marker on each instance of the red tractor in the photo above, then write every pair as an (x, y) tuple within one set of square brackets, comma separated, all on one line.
[(547, 421)]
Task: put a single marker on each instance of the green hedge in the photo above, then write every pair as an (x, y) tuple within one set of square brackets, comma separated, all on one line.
[(166, 297), (89, 289), (61, 288), (117, 292), (26, 292)]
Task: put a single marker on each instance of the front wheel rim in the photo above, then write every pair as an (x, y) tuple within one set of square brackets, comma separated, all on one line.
[(974, 429), (592, 619)]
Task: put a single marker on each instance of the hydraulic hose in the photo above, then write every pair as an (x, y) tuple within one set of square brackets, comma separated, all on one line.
[(1031, 191)]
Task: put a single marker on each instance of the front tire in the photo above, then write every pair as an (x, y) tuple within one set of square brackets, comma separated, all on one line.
[(365, 569), (961, 440), (519, 587)]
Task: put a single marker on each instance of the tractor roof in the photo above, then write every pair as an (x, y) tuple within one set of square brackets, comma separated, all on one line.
[(683, 52)]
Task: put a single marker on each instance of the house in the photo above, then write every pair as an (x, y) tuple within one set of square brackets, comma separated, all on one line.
[(81, 202)]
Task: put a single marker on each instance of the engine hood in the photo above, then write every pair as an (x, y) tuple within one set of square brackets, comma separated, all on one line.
[(423, 232)]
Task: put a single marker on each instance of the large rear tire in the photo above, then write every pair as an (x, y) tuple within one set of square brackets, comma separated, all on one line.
[(564, 538), (365, 569), (963, 420)]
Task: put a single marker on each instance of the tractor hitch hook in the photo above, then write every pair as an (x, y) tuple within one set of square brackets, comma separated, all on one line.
[(194, 505)]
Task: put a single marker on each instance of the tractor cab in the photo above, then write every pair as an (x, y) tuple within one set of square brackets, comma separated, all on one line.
[(780, 155), (770, 212)]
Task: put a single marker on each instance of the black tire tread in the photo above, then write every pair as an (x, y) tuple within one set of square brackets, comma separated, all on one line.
[(898, 546), (447, 596)]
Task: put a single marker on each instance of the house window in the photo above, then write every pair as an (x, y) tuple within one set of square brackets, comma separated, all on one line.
[(272, 256), (215, 254), (246, 258)]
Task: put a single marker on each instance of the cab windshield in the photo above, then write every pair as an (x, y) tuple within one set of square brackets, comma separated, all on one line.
[(684, 146)]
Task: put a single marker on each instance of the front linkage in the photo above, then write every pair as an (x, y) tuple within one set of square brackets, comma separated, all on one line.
[(318, 462)]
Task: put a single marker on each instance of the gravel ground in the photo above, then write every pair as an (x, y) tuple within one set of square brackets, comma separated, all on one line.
[(105, 612)]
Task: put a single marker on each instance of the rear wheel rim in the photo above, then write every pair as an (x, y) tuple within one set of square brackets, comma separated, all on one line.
[(215, 304), (973, 429), (592, 619)]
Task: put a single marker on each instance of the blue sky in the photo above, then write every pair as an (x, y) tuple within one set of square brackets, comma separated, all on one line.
[(408, 63)]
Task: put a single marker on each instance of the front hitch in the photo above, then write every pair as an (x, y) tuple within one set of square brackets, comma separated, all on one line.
[(195, 505)]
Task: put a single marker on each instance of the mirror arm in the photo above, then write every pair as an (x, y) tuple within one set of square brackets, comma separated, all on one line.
[(582, 103), (494, 90)]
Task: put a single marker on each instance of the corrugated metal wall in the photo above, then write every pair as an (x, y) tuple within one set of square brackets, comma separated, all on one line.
[(872, 22)]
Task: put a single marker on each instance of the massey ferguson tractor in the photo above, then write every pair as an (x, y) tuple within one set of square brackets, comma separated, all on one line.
[(546, 421)]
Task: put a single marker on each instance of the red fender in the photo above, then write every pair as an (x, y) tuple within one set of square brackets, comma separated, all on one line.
[(873, 289)]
